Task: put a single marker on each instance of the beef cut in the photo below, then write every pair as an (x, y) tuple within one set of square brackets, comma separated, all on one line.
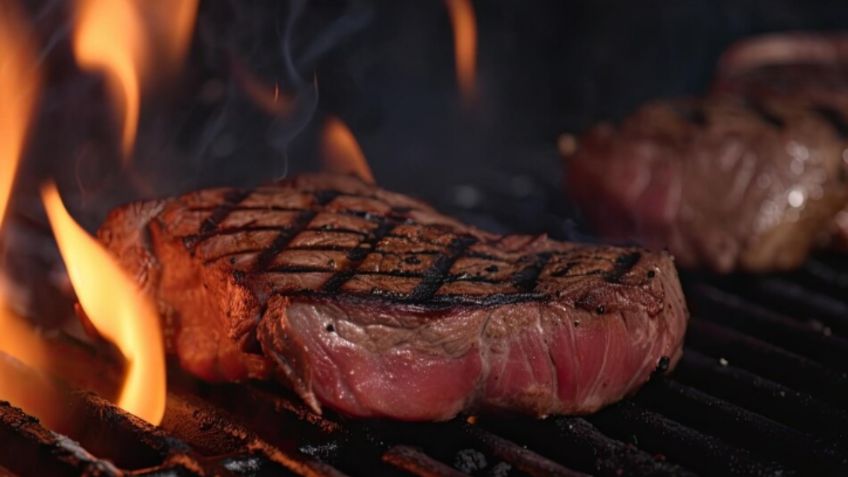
[(724, 182), (373, 304), (806, 68)]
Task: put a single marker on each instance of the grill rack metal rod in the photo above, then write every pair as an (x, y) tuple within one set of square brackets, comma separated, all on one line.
[(768, 360), (777, 401), (743, 428), (794, 335)]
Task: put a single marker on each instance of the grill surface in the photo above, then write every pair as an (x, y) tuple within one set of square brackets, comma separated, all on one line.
[(761, 390)]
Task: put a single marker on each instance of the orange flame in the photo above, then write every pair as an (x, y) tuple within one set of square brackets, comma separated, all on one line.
[(114, 37), (117, 308), (19, 342), (172, 23), (109, 38), (18, 90), (266, 97), (464, 24), (341, 152)]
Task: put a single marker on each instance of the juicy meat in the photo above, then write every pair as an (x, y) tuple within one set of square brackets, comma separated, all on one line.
[(722, 182), (806, 68), (373, 304)]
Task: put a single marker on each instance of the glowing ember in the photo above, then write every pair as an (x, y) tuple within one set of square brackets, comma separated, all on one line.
[(341, 152), (465, 45), (117, 308), (115, 37)]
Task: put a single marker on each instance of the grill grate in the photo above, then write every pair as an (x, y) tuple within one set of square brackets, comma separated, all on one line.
[(762, 389), (758, 392)]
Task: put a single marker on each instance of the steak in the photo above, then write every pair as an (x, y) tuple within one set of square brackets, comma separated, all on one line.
[(375, 305), (723, 182), (807, 68)]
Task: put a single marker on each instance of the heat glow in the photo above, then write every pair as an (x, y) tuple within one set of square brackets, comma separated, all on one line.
[(22, 350), (464, 25), (341, 151), (118, 309), (117, 38)]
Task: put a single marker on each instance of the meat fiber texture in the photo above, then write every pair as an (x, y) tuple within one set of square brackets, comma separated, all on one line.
[(723, 182), (375, 305), (802, 67)]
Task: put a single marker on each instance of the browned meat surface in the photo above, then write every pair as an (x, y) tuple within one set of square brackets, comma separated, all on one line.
[(372, 303), (724, 183), (807, 68)]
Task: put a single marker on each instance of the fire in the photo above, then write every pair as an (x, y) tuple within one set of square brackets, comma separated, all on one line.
[(172, 23), (114, 37), (18, 90), (464, 24), (109, 38), (117, 308), (268, 98), (20, 343), (341, 152)]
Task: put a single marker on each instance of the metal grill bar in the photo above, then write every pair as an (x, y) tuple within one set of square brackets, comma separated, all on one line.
[(769, 361), (783, 404), (743, 428), (580, 445), (794, 335), (418, 463), (695, 450)]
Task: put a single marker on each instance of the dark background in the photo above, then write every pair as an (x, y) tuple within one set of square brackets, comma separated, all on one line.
[(386, 68)]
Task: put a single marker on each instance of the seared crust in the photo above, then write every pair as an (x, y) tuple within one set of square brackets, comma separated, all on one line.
[(387, 276)]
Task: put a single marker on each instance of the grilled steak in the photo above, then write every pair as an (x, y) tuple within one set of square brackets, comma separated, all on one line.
[(722, 182), (373, 304), (806, 68)]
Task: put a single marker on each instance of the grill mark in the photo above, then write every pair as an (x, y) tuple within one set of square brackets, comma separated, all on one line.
[(437, 274), (623, 264), (231, 199), (278, 228), (436, 302), (357, 255), (764, 114), (274, 208), (217, 215), (563, 271), (834, 118), (526, 279), (285, 236)]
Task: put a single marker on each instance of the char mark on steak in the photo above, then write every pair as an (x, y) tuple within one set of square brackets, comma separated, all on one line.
[(374, 304)]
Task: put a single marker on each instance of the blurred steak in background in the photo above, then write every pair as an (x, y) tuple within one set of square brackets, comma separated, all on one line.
[(807, 68), (752, 177), (723, 182)]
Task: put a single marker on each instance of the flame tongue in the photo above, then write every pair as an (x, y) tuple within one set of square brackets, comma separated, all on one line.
[(114, 36), (341, 152), (117, 308), (465, 45), (109, 38), (18, 87)]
